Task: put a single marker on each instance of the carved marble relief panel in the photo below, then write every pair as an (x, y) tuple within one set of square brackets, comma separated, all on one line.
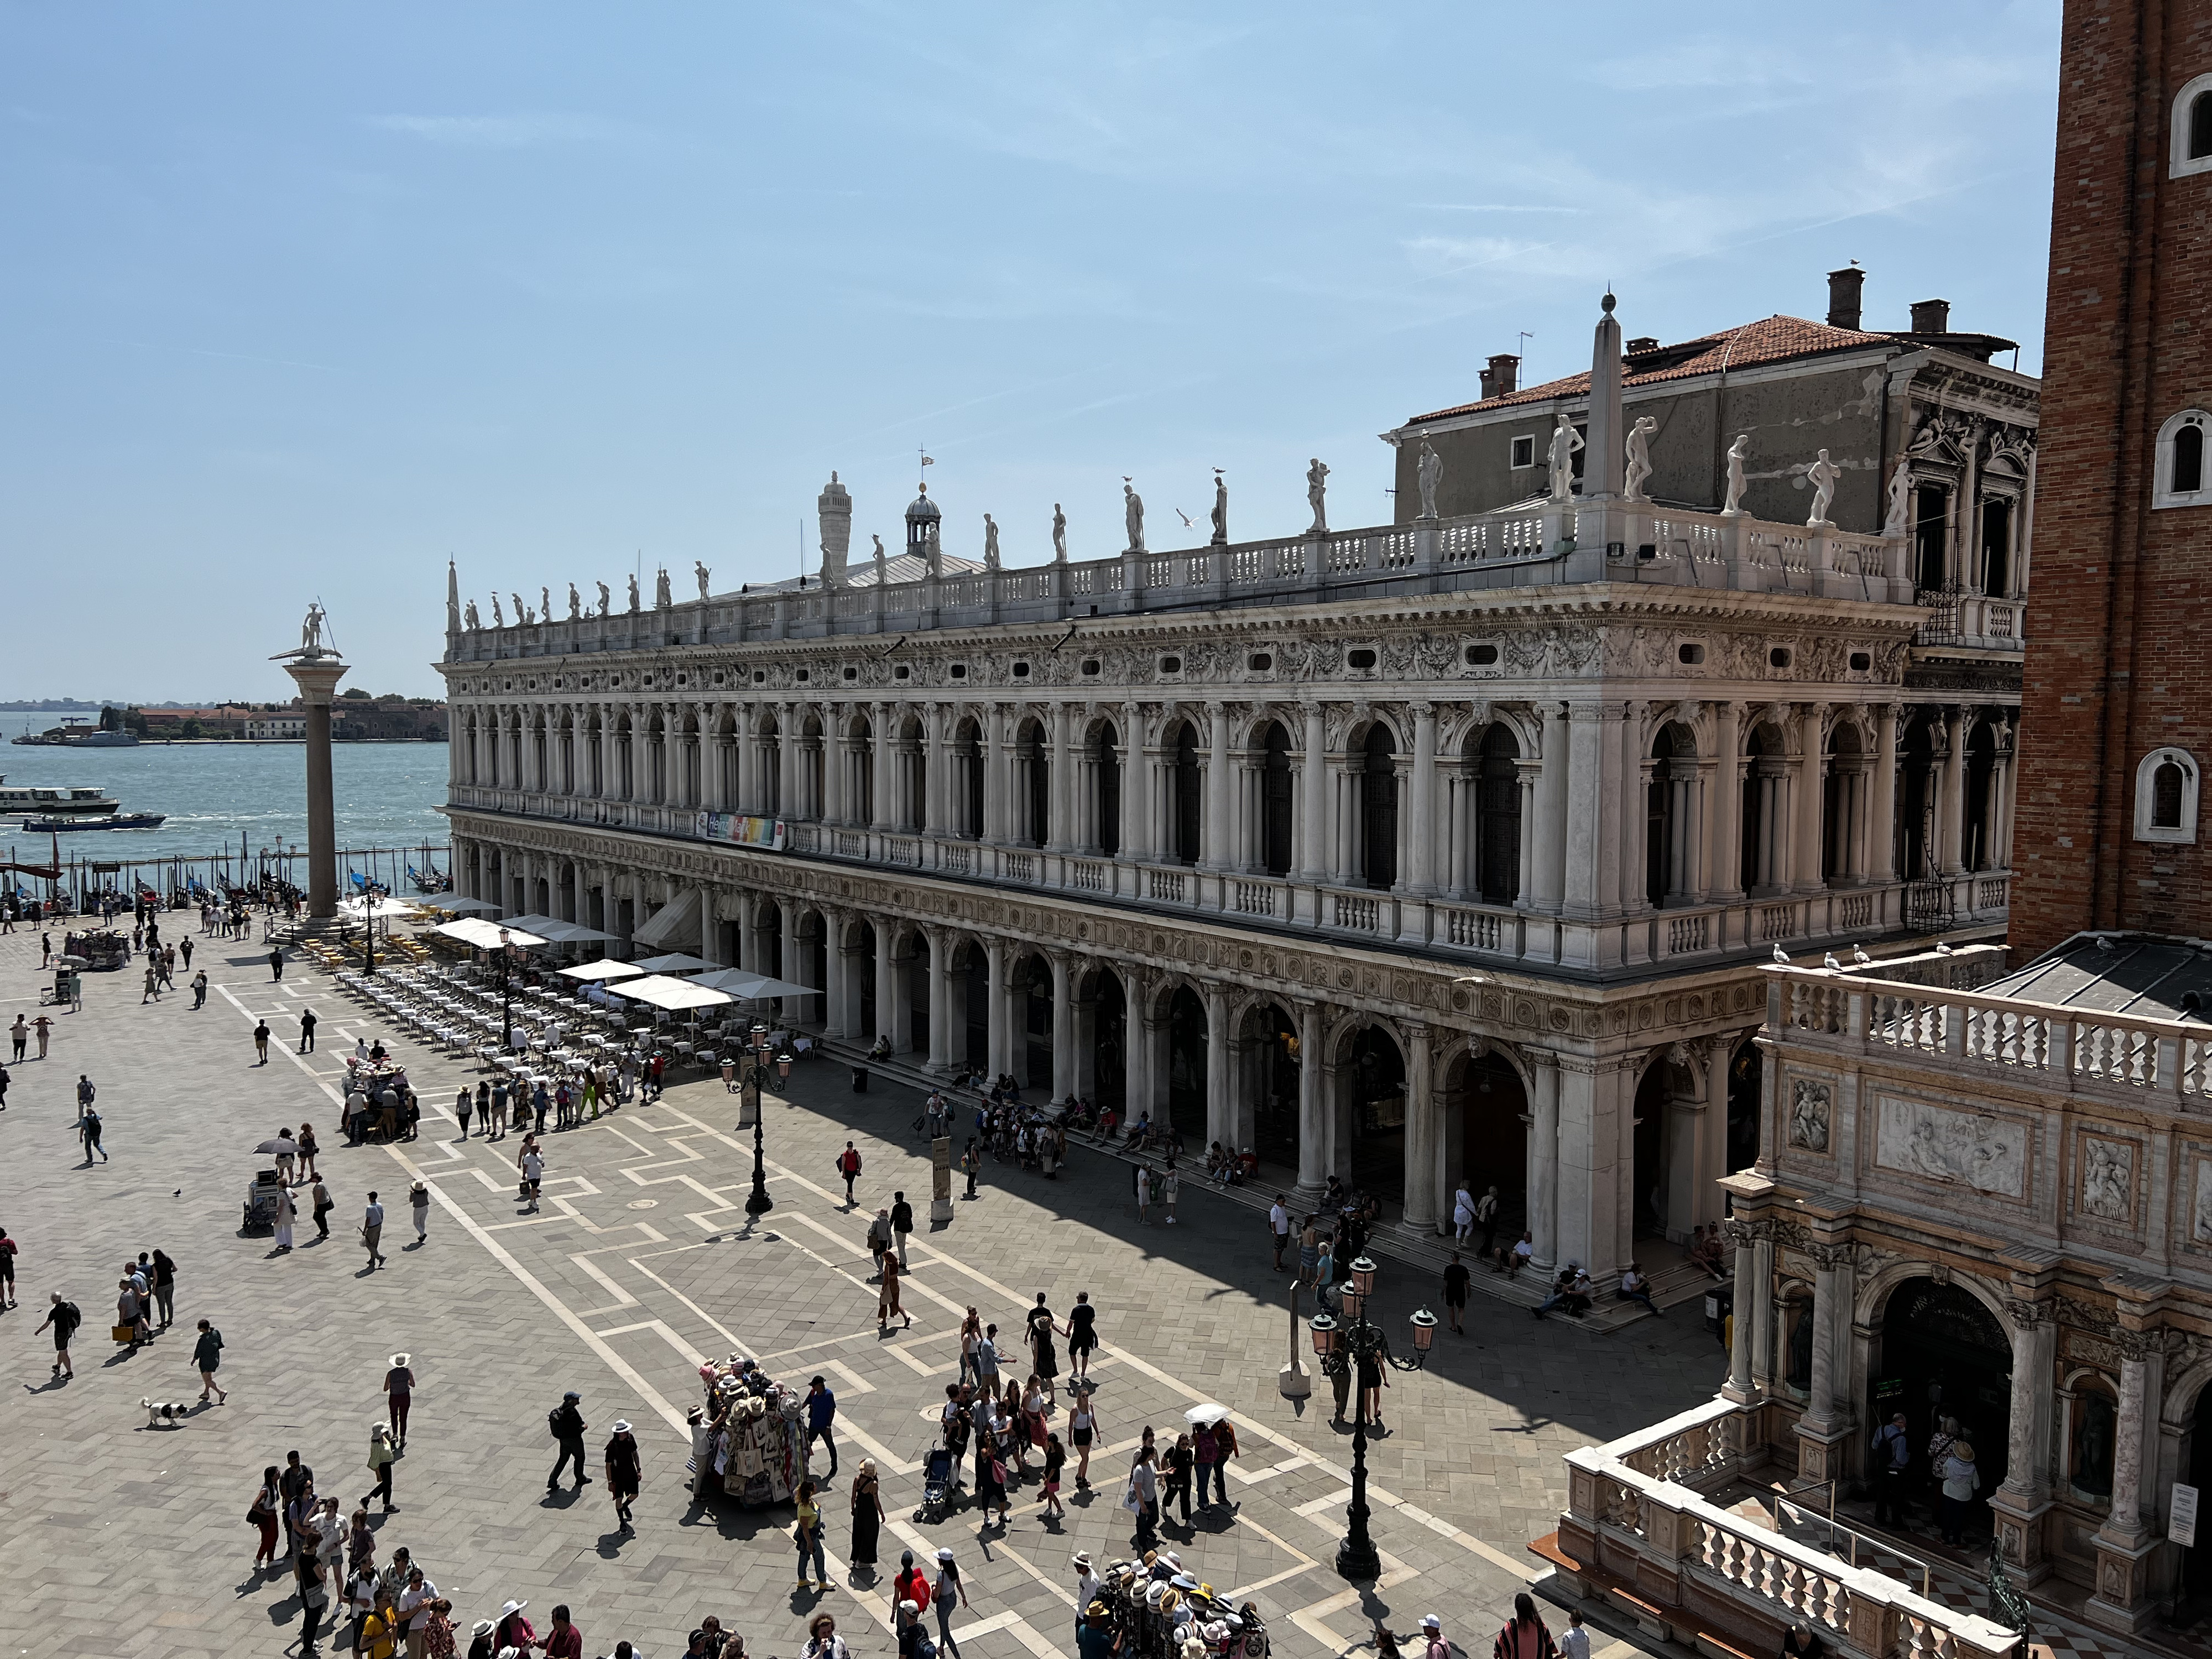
[(1810, 1105), (2107, 1171), (1978, 1151)]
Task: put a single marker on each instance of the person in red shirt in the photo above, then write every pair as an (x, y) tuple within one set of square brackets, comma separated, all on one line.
[(848, 1165), (564, 1640), (912, 1584)]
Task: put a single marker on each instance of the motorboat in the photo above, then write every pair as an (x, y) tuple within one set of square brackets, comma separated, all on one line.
[(42, 826), (24, 800)]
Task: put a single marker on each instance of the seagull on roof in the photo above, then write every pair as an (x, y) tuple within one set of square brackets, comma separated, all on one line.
[(1782, 955), (1828, 960), (1859, 954), (1943, 950)]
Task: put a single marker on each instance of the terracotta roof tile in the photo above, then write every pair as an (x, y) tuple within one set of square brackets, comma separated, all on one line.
[(1771, 339)]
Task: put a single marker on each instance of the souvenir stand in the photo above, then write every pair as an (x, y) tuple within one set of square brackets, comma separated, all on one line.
[(749, 1439)]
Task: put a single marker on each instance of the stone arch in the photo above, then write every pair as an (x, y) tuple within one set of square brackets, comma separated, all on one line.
[(1672, 826), (1484, 853), (1943, 1376), (1266, 1047), (1273, 756), (1371, 1062), (1483, 1090)]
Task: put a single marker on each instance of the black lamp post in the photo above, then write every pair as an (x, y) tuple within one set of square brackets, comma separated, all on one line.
[(754, 1061), (1351, 1345), (369, 899), (506, 1003)]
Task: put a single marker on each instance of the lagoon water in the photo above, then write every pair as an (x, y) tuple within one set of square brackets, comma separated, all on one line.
[(385, 793)]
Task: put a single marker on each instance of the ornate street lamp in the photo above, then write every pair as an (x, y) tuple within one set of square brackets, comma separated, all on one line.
[(370, 897), (506, 1002), (754, 1065), (1345, 1347)]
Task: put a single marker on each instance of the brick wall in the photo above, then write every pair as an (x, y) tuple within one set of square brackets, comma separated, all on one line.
[(2116, 658)]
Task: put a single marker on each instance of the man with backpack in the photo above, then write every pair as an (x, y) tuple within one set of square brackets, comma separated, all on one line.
[(63, 1316), (88, 1123), (848, 1165), (568, 1425)]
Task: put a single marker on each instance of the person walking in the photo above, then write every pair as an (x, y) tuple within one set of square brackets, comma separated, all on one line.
[(418, 1203), (19, 1034), (207, 1355), (1170, 1189), (1524, 1636), (879, 1238), (371, 1232), (261, 1042), (287, 1213), (44, 1028), (533, 1165), (567, 1423), (1224, 1437), (1455, 1292), (902, 1224), (276, 962), (322, 1204), (887, 1303), (380, 1457), (314, 1597), (165, 1288), (1960, 1480), (153, 991), (262, 1513), (867, 1517), (307, 1030), (807, 1533), (1143, 1498), (821, 1412), (624, 1475), (89, 1127), (63, 1316), (848, 1165), (971, 1161), (1082, 1334), (308, 1147), (951, 1591), (186, 946), (398, 1395), (1893, 1461), (7, 1270), (1278, 1229), (1143, 1178), (199, 990)]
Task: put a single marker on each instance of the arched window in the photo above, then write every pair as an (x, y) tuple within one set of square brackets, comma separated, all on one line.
[(2166, 796), (2178, 478), (2192, 128)]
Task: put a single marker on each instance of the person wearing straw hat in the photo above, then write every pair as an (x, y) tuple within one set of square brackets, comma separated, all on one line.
[(623, 1473), (399, 1394), (480, 1639), (1961, 1479)]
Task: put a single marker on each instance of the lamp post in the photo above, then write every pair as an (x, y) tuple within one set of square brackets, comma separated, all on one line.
[(506, 1003), (757, 1202), (1354, 1345), (369, 901)]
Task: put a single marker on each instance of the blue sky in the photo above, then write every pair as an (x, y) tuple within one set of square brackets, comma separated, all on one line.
[(300, 299)]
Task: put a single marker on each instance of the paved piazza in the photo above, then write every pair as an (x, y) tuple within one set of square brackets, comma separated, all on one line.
[(125, 1540)]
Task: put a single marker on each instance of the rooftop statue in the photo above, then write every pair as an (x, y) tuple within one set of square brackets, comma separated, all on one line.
[(1220, 509), (1317, 497), (1737, 451), (1822, 476), (1638, 456), (1566, 442), (1428, 473), (1059, 535), (700, 570), (1133, 515), (990, 544)]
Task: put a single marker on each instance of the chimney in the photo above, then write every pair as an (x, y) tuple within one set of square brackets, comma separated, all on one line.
[(1931, 316), (1502, 377), (1489, 379), (1843, 288), (1642, 344)]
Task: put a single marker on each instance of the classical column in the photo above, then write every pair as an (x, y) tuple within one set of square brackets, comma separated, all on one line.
[(1953, 815), (1419, 873), (889, 1021), (1739, 1386), (317, 673), (1585, 809), (1313, 1121), (933, 769), (1549, 836), (1222, 1091), (2024, 1499), (2124, 1544), (1725, 815), (1060, 830), (1424, 1139), (1313, 836), (884, 814), (1217, 853), (1063, 1025), (1810, 797), (840, 1018), (1760, 1290), (1134, 821), (1544, 1158), (998, 1040)]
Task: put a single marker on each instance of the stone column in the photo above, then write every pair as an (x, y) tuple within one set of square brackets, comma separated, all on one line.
[(318, 676), (1419, 873), (1725, 814), (889, 1012), (840, 1018), (1760, 1292), (940, 1000), (1953, 815), (2020, 1503), (1222, 1082), (1739, 1387), (1217, 851), (1136, 820), (1825, 1422), (1060, 795), (885, 756), (2124, 1543), (1810, 797), (1544, 1158), (1549, 840), (1312, 860), (1063, 1025), (1424, 1142), (999, 1039), (1313, 1119)]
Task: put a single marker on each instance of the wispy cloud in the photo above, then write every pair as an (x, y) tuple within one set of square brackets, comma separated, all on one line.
[(501, 132), (1491, 207)]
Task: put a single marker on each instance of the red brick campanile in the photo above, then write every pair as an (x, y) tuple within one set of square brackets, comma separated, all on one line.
[(2117, 620)]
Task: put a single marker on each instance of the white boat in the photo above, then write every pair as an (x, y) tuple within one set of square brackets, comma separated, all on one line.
[(20, 801)]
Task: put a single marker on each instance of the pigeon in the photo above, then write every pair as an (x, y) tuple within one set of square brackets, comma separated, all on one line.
[(1782, 955), (1859, 954), (1828, 960)]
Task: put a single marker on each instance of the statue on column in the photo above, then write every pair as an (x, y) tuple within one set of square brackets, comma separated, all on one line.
[(1220, 509), (1738, 453), (1566, 443), (1133, 514), (633, 596), (1428, 473), (605, 599), (1899, 520), (1822, 476), (310, 631), (1316, 495), (990, 544), (471, 619), (1059, 535), (700, 570), (1638, 457)]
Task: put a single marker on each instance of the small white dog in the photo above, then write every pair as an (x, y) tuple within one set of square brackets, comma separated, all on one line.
[(172, 1412)]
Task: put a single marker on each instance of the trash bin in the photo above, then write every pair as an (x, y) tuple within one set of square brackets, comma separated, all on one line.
[(859, 1079)]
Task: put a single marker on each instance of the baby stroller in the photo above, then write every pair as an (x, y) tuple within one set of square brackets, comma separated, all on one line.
[(936, 1483)]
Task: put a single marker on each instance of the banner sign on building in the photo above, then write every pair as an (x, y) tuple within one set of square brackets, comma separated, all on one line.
[(2181, 1525), (741, 830)]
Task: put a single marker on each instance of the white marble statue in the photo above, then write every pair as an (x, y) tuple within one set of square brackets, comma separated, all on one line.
[(1317, 497), (546, 605), (1639, 455), (882, 561), (607, 599), (1133, 515), (633, 596), (1059, 535), (990, 543), (662, 598), (1220, 509), (497, 620), (1822, 476), (1738, 453), (700, 570), (521, 610), (1899, 520), (1428, 473), (310, 631), (1565, 443), (575, 603), (470, 618)]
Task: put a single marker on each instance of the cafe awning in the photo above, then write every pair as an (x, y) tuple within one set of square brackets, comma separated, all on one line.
[(456, 903), (674, 963), (605, 969), (750, 988), (664, 992), (485, 935)]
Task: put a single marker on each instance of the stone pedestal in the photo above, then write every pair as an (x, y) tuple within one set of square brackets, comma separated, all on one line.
[(318, 676)]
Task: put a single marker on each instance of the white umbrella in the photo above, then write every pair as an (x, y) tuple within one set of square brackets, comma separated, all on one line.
[(674, 963), (607, 968), (282, 1146), (664, 992), (1200, 1416)]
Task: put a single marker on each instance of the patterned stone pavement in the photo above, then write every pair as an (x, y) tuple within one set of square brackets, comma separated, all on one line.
[(125, 1540)]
